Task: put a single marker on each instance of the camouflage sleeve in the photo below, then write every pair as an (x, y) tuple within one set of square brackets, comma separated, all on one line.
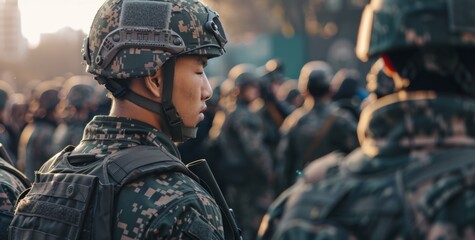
[(169, 206), (10, 189)]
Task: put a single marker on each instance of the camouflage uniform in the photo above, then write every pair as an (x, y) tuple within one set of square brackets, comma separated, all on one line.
[(137, 203), (10, 188), (412, 178)]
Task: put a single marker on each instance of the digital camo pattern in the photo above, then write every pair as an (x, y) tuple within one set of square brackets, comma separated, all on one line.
[(188, 20), (10, 189), (304, 138), (406, 182), (152, 207)]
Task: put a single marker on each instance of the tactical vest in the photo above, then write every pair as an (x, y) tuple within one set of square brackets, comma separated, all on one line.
[(73, 199), (334, 200)]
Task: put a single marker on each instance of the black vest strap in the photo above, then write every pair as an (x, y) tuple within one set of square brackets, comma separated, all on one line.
[(131, 163)]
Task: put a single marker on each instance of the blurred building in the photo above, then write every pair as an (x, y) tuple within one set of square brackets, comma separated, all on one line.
[(13, 46)]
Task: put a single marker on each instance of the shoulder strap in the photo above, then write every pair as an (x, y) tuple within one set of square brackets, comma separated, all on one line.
[(126, 165), (322, 131)]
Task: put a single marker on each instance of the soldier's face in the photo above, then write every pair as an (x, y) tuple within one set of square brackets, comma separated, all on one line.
[(191, 89)]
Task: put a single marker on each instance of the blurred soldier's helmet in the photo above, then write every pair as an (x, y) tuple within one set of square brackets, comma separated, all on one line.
[(244, 74), (315, 78), (130, 38), (6, 91), (78, 91), (421, 37), (391, 25)]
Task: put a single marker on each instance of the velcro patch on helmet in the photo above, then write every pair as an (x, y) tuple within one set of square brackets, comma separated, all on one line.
[(146, 14), (462, 15)]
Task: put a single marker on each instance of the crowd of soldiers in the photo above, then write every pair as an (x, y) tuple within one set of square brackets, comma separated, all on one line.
[(262, 128), (47, 116), (257, 121)]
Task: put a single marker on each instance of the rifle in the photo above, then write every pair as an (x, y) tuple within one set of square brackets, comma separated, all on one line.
[(201, 169)]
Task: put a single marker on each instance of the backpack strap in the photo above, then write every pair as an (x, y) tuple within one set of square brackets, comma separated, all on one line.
[(129, 164)]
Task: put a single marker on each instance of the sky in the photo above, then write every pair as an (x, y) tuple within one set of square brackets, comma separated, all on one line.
[(49, 16)]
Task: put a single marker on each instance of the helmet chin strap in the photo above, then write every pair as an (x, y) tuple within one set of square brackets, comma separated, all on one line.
[(178, 131), (175, 124)]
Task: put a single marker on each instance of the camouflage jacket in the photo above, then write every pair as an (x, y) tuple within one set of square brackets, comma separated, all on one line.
[(411, 178), (311, 132), (10, 188), (138, 203)]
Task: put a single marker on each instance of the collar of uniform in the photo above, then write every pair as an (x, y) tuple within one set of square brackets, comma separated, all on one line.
[(413, 123), (106, 134)]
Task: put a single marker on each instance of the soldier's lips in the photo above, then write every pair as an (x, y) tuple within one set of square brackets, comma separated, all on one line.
[(201, 116)]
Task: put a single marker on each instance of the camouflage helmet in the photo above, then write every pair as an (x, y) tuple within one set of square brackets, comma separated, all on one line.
[(315, 78), (389, 25), (134, 38)]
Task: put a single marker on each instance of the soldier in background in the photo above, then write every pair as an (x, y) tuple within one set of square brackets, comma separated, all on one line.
[(7, 136), (348, 92), (246, 160), (77, 101), (16, 119), (413, 176), (315, 129), (274, 110), (36, 140)]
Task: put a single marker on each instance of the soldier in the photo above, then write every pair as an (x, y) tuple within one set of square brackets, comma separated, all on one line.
[(246, 159), (7, 135), (77, 102), (36, 140), (348, 93), (412, 178), (315, 129), (151, 56)]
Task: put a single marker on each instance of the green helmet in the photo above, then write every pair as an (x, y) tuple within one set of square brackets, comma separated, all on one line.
[(134, 38), (390, 25)]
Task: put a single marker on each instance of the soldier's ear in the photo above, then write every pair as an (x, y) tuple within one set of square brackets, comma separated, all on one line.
[(154, 84)]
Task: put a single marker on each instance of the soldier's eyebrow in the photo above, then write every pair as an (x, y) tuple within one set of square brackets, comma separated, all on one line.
[(203, 61)]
